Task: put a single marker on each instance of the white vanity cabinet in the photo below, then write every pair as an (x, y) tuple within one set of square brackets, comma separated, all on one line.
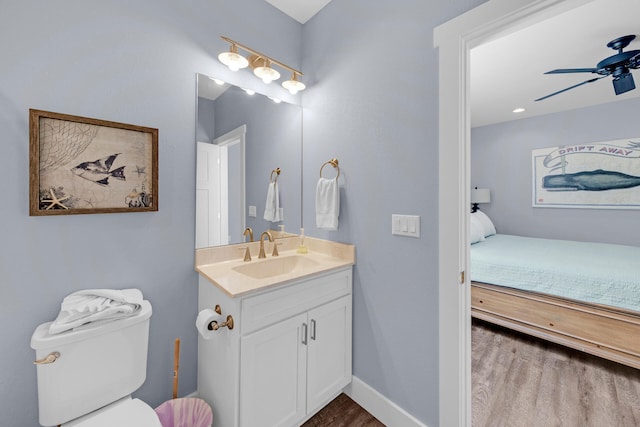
[(288, 355)]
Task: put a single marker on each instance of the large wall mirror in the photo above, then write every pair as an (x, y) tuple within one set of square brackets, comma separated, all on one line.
[(242, 139)]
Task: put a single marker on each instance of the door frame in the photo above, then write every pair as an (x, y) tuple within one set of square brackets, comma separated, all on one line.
[(455, 39)]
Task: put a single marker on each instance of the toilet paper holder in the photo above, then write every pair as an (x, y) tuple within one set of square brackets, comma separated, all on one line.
[(214, 325)]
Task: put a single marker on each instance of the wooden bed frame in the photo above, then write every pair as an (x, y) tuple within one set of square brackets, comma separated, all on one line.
[(604, 331)]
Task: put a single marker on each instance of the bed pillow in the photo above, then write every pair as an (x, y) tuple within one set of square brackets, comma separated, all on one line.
[(487, 224), (477, 231)]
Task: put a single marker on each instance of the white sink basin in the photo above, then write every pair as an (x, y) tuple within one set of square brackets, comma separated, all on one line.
[(276, 266)]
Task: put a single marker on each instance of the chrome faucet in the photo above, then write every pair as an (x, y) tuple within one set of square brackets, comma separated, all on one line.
[(264, 233), (248, 231)]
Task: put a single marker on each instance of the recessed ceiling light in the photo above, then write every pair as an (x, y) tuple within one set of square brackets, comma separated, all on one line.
[(519, 110)]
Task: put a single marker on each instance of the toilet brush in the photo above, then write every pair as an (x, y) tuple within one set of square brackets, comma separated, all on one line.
[(176, 362)]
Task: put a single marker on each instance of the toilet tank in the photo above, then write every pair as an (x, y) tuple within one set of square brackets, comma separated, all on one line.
[(98, 364)]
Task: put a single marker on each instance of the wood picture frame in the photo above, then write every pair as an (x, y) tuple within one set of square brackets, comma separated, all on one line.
[(79, 165), (599, 175)]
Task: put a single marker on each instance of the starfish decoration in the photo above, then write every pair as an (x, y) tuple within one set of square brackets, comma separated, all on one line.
[(55, 201)]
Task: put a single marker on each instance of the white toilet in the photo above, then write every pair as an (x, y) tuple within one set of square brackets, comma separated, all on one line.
[(86, 376)]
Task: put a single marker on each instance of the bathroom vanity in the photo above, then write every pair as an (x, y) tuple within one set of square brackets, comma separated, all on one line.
[(288, 352)]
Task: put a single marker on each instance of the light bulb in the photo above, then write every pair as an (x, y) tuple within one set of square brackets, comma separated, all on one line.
[(266, 73), (293, 85), (233, 59)]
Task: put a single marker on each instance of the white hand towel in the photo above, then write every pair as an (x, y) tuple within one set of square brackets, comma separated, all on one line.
[(272, 210), (92, 305), (327, 203)]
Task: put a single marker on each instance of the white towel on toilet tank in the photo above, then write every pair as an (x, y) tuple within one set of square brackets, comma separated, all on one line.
[(327, 203), (93, 305), (272, 206)]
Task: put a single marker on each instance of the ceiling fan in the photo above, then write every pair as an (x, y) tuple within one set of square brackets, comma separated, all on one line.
[(618, 66)]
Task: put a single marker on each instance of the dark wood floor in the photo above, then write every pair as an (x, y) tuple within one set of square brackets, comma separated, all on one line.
[(343, 412), (523, 381)]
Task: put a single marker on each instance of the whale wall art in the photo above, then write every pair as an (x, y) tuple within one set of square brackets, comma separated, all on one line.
[(79, 165), (601, 175)]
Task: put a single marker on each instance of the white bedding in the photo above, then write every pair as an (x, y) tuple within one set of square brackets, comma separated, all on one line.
[(591, 272)]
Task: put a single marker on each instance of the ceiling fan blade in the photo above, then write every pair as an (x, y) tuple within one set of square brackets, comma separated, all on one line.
[(572, 70), (571, 87)]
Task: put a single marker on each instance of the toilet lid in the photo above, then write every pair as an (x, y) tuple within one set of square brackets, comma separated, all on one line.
[(125, 412)]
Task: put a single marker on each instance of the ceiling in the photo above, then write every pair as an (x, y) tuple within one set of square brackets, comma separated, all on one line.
[(300, 10), (509, 72)]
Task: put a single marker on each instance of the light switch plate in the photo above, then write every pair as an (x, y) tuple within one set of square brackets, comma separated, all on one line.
[(405, 225), (252, 211)]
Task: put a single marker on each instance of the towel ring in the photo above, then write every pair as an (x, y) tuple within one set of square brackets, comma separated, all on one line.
[(333, 162), (277, 172)]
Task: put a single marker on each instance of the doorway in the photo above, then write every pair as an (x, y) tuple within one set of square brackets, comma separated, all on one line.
[(220, 190), (455, 39)]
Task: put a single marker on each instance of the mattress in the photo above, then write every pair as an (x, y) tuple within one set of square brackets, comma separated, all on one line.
[(591, 272)]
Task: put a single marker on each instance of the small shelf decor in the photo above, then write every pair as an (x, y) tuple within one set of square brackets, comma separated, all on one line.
[(79, 165)]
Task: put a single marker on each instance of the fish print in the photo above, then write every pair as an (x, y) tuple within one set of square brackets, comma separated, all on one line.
[(596, 180), (99, 171)]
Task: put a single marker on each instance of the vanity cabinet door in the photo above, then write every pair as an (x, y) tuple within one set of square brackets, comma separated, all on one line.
[(273, 374), (329, 351)]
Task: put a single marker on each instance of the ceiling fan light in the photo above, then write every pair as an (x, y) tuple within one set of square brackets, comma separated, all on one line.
[(623, 83), (233, 59), (293, 85)]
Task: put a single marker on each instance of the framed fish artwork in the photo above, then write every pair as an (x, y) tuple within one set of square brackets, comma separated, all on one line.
[(601, 175), (79, 165)]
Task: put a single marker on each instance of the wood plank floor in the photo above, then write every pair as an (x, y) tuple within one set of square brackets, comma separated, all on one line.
[(343, 412), (523, 381)]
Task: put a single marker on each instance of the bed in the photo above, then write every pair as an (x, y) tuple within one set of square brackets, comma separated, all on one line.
[(578, 294)]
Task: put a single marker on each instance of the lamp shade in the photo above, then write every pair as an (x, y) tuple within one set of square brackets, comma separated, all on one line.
[(267, 74), (233, 59), (293, 85), (480, 195)]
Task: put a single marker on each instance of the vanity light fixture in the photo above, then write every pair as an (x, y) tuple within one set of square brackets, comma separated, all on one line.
[(233, 59), (293, 85), (262, 69), (261, 65)]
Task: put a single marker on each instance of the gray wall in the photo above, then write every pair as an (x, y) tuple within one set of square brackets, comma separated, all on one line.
[(131, 62), (372, 102), (504, 151)]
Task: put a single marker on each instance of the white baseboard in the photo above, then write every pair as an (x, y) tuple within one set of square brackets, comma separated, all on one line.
[(387, 412)]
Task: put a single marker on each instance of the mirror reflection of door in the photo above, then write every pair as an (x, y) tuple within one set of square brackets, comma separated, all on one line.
[(220, 190)]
